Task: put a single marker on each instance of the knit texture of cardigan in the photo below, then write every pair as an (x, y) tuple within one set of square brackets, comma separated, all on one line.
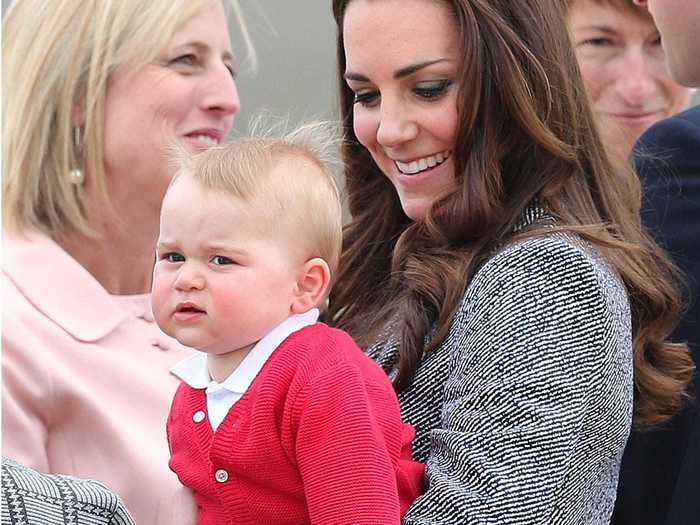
[(523, 412), (316, 438)]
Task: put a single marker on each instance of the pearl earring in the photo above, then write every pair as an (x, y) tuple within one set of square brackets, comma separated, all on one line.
[(76, 175)]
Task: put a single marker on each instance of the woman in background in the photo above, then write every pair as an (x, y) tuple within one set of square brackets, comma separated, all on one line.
[(623, 66), (94, 93)]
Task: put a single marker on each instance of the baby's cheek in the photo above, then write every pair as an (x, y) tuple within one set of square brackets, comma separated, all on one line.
[(159, 300), (230, 304)]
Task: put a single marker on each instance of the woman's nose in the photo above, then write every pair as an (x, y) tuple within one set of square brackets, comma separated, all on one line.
[(636, 83), (396, 126), (220, 94)]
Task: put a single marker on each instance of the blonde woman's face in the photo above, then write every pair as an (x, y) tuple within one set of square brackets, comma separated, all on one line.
[(186, 94), (624, 70)]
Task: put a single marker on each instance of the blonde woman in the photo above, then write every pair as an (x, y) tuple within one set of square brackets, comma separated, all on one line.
[(94, 93)]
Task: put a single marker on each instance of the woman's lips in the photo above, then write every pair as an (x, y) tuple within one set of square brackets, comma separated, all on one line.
[(416, 181), (421, 164), (636, 119)]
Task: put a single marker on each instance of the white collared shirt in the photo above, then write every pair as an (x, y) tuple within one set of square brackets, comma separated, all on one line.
[(222, 396)]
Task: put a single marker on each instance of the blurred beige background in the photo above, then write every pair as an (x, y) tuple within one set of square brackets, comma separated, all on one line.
[(295, 44)]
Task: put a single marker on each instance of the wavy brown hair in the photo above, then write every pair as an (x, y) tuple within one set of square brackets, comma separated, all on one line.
[(525, 133)]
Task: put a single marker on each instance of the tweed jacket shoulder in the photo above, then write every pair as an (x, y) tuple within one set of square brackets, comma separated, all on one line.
[(32, 498), (522, 414)]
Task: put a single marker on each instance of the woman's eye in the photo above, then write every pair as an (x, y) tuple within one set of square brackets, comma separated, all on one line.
[(598, 42), (188, 59), (432, 89), (231, 70), (366, 98), (173, 257), (220, 260)]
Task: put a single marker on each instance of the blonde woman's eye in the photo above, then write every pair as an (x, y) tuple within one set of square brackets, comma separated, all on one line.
[(188, 59)]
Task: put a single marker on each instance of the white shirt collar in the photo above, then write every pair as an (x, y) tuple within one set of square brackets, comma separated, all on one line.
[(195, 372)]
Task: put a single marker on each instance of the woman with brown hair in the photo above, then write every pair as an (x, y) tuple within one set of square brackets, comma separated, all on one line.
[(495, 265)]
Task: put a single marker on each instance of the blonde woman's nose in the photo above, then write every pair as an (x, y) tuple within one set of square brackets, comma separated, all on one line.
[(220, 93)]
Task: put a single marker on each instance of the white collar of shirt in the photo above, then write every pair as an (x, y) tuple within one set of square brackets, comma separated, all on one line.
[(222, 396)]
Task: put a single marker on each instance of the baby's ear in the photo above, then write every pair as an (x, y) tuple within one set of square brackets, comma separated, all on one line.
[(312, 283)]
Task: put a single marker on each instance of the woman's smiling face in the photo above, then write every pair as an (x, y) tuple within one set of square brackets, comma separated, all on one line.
[(402, 62), (186, 94)]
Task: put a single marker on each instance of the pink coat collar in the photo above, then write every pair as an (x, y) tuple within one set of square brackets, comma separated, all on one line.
[(59, 287)]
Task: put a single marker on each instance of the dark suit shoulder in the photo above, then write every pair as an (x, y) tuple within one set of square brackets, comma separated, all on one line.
[(672, 143)]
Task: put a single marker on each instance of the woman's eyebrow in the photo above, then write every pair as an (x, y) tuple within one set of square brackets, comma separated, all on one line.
[(399, 73)]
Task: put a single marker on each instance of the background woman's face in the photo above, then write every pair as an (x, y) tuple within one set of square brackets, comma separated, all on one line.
[(624, 71), (186, 94), (402, 60)]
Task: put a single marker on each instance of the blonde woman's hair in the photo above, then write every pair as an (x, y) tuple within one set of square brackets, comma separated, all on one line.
[(57, 57), (300, 200)]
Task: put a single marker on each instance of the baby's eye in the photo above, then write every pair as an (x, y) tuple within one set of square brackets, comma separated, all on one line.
[(220, 260), (430, 90), (173, 257)]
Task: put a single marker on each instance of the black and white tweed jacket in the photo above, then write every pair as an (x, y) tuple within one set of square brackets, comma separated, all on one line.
[(522, 414), (32, 498)]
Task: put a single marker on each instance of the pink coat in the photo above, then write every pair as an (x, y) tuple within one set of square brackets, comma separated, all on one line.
[(86, 388)]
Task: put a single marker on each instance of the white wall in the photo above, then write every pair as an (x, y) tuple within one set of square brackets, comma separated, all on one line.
[(295, 44)]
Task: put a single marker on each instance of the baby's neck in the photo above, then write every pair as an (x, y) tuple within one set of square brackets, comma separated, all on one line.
[(221, 366)]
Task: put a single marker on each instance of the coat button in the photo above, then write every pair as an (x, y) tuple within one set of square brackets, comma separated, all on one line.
[(221, 475), (199, 416)]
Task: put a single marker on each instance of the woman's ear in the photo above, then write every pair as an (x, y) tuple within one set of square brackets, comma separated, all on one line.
[(312, 283), (78, 116)]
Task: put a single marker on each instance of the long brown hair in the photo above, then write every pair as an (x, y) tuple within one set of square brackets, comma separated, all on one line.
[(525, 133)]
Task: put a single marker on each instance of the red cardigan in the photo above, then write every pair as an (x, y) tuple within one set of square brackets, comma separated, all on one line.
[(316, 438)]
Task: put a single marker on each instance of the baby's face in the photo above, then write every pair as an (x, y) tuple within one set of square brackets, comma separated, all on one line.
[(220, 281)]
